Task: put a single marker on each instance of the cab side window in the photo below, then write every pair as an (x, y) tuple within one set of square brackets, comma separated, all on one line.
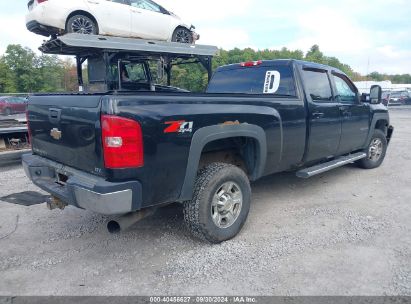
[(318, 85), (346, 92), (120, 1), (146, 4)]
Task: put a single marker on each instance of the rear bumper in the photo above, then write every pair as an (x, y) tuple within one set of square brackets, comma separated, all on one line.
[(48, 18), (43, 30), (81, 189)]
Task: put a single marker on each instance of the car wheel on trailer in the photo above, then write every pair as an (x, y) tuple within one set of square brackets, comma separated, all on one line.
[(182, 35), (220, 204), (376, 151), (81, 24)]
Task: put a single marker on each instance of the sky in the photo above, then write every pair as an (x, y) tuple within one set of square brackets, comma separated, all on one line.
[(369, 35)]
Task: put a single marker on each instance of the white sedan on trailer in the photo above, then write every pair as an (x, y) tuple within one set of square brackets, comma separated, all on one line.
[(143, 19)]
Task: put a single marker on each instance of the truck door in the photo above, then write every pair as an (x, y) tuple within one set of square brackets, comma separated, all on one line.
[(324, 116), (355, 115)]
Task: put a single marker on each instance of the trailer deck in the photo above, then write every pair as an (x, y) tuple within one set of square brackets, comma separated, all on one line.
[(79, 44)]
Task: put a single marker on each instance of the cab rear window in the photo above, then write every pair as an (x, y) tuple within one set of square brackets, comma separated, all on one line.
[(270, 80)]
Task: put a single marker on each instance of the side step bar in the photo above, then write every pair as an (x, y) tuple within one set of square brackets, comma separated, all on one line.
[(336, 163)]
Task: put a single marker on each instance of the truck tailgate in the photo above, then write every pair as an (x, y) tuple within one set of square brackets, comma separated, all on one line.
[(66, 129)]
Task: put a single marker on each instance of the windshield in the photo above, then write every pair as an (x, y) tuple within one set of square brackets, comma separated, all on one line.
[(272, 80)]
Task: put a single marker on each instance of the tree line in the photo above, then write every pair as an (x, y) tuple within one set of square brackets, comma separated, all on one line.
[(22, 70)]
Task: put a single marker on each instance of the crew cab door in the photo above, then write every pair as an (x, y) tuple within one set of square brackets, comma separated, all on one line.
[(324, 116), (355, 115), (113, 16), (148, 20)]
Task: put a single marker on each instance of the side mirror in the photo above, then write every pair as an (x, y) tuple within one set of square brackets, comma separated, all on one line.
[(365, 97), (375, 94)]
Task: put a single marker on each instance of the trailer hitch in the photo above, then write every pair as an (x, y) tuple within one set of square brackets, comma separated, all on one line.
[(55, 203)]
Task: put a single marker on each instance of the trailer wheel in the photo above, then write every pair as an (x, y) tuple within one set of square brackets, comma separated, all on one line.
[(220, 205), (182, 35), (376, 151), (81, 24)]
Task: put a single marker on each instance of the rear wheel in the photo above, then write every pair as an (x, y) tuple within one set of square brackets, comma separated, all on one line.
[(375, 152), (220, 204), (81, 24), (182, 35)]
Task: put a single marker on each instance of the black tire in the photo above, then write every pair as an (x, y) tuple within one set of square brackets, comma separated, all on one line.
[(81, 24), (7, 112), (211, 185), (375, 156), (182, 35)]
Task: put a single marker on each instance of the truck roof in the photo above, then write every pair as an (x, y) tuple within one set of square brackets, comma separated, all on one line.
[(285, 62)]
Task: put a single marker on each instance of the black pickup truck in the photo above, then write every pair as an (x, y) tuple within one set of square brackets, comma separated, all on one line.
[(124, 152)]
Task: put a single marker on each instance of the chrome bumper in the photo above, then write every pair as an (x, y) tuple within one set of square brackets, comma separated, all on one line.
[(81, 189)]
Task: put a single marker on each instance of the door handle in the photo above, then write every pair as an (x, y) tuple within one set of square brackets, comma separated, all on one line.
[(93, 2), (136, 11), (318, 115)]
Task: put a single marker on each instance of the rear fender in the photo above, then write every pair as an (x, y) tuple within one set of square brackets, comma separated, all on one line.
[(208, 134)]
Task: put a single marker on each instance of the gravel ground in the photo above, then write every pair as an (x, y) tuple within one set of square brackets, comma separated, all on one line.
[(346, 232)]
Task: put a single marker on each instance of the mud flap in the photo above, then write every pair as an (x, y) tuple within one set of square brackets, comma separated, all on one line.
[(27, 198)]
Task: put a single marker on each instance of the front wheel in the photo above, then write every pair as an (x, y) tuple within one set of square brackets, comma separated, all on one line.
[(220, 205), (376, 151), (182, 35), (81, 24)]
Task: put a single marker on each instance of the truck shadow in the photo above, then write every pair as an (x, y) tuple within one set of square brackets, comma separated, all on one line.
[(273, 186), (168, 221), (286, 180)]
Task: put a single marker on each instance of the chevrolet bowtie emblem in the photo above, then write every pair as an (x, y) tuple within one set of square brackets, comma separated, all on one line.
[(56, 134)]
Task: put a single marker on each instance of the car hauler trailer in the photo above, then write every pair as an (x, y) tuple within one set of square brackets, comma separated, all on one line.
[(104, 52)]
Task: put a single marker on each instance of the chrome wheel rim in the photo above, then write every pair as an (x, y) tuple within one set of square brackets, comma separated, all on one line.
[(376, 149), (82, 25), (227, 204), (183, 36)]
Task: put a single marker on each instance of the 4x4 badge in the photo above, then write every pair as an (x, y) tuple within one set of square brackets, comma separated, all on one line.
[(56, 134), (180, 126)]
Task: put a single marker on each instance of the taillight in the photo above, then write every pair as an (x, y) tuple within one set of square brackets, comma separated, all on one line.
[(41, 1), (251, 63), (122, 142)]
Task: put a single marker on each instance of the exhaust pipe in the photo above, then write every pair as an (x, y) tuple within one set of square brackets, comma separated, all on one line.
[(126, 221)]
